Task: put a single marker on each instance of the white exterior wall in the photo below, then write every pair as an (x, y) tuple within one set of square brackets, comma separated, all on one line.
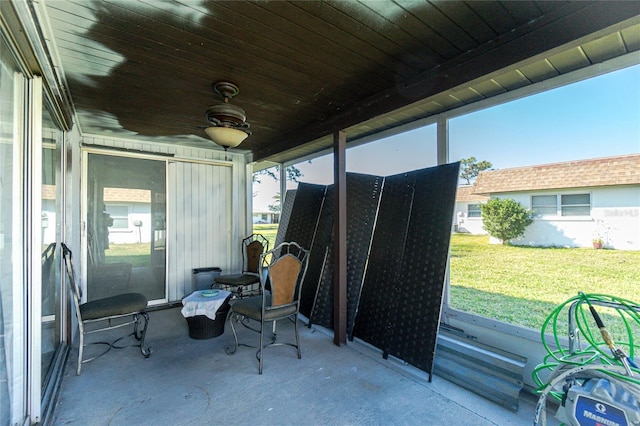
[(133, 234), (615, 216), (474, 225), (463, 223)]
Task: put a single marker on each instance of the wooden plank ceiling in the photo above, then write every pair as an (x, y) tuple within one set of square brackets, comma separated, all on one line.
[(144, 69)]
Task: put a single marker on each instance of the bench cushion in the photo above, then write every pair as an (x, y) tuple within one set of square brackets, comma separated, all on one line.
[(121, 304), (238, 279)]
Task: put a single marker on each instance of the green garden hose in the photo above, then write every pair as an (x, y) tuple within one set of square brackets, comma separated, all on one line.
[(600, 355)]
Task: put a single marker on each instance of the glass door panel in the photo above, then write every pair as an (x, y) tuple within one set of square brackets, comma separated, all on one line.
[(12, 327), (126, 216), (51, 231)]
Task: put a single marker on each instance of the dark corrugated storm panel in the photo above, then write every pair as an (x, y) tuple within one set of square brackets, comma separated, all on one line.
[(322, 243), (363, 192), (376, 311), (418, 297), (301, 226)]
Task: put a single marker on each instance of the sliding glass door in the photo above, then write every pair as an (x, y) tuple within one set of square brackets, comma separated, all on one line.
[(126, 221)]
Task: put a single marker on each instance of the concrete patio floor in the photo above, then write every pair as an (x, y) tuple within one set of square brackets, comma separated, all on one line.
[(194, 382)]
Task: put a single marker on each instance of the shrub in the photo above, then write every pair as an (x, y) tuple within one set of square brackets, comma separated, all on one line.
[(505, 219)]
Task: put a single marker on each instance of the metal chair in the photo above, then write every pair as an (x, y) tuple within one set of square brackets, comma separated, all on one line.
[(246, 283), (281, 274), (107, 309)]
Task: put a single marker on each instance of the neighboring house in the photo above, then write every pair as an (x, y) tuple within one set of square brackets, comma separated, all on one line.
[(573, 202), (266, 217), (468, 217), (130, 211)]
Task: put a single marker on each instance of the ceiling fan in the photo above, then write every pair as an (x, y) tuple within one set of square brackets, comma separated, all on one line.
[(228, 123)]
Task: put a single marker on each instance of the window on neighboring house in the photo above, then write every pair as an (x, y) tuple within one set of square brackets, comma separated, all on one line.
[(576, 205), (473, 210), (543, 205), (570, 205), (120, 216)]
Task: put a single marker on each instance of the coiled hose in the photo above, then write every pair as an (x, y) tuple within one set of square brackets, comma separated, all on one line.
[(600, 355)]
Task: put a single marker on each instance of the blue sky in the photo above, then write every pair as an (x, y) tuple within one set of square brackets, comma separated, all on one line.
[(598, 117)]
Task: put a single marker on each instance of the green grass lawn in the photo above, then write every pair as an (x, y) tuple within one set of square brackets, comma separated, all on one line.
[(269, 231), (135, 254), (522, 285)]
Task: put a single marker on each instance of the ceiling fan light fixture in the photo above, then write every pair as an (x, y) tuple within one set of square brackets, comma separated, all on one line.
[(226, 137), (228, 122)]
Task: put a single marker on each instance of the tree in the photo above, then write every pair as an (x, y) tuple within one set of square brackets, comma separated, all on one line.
[(293, 174), (471, 168), (505, 219), (275, 207)]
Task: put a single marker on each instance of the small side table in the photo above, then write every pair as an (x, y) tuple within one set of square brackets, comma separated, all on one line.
[(206, 313)]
